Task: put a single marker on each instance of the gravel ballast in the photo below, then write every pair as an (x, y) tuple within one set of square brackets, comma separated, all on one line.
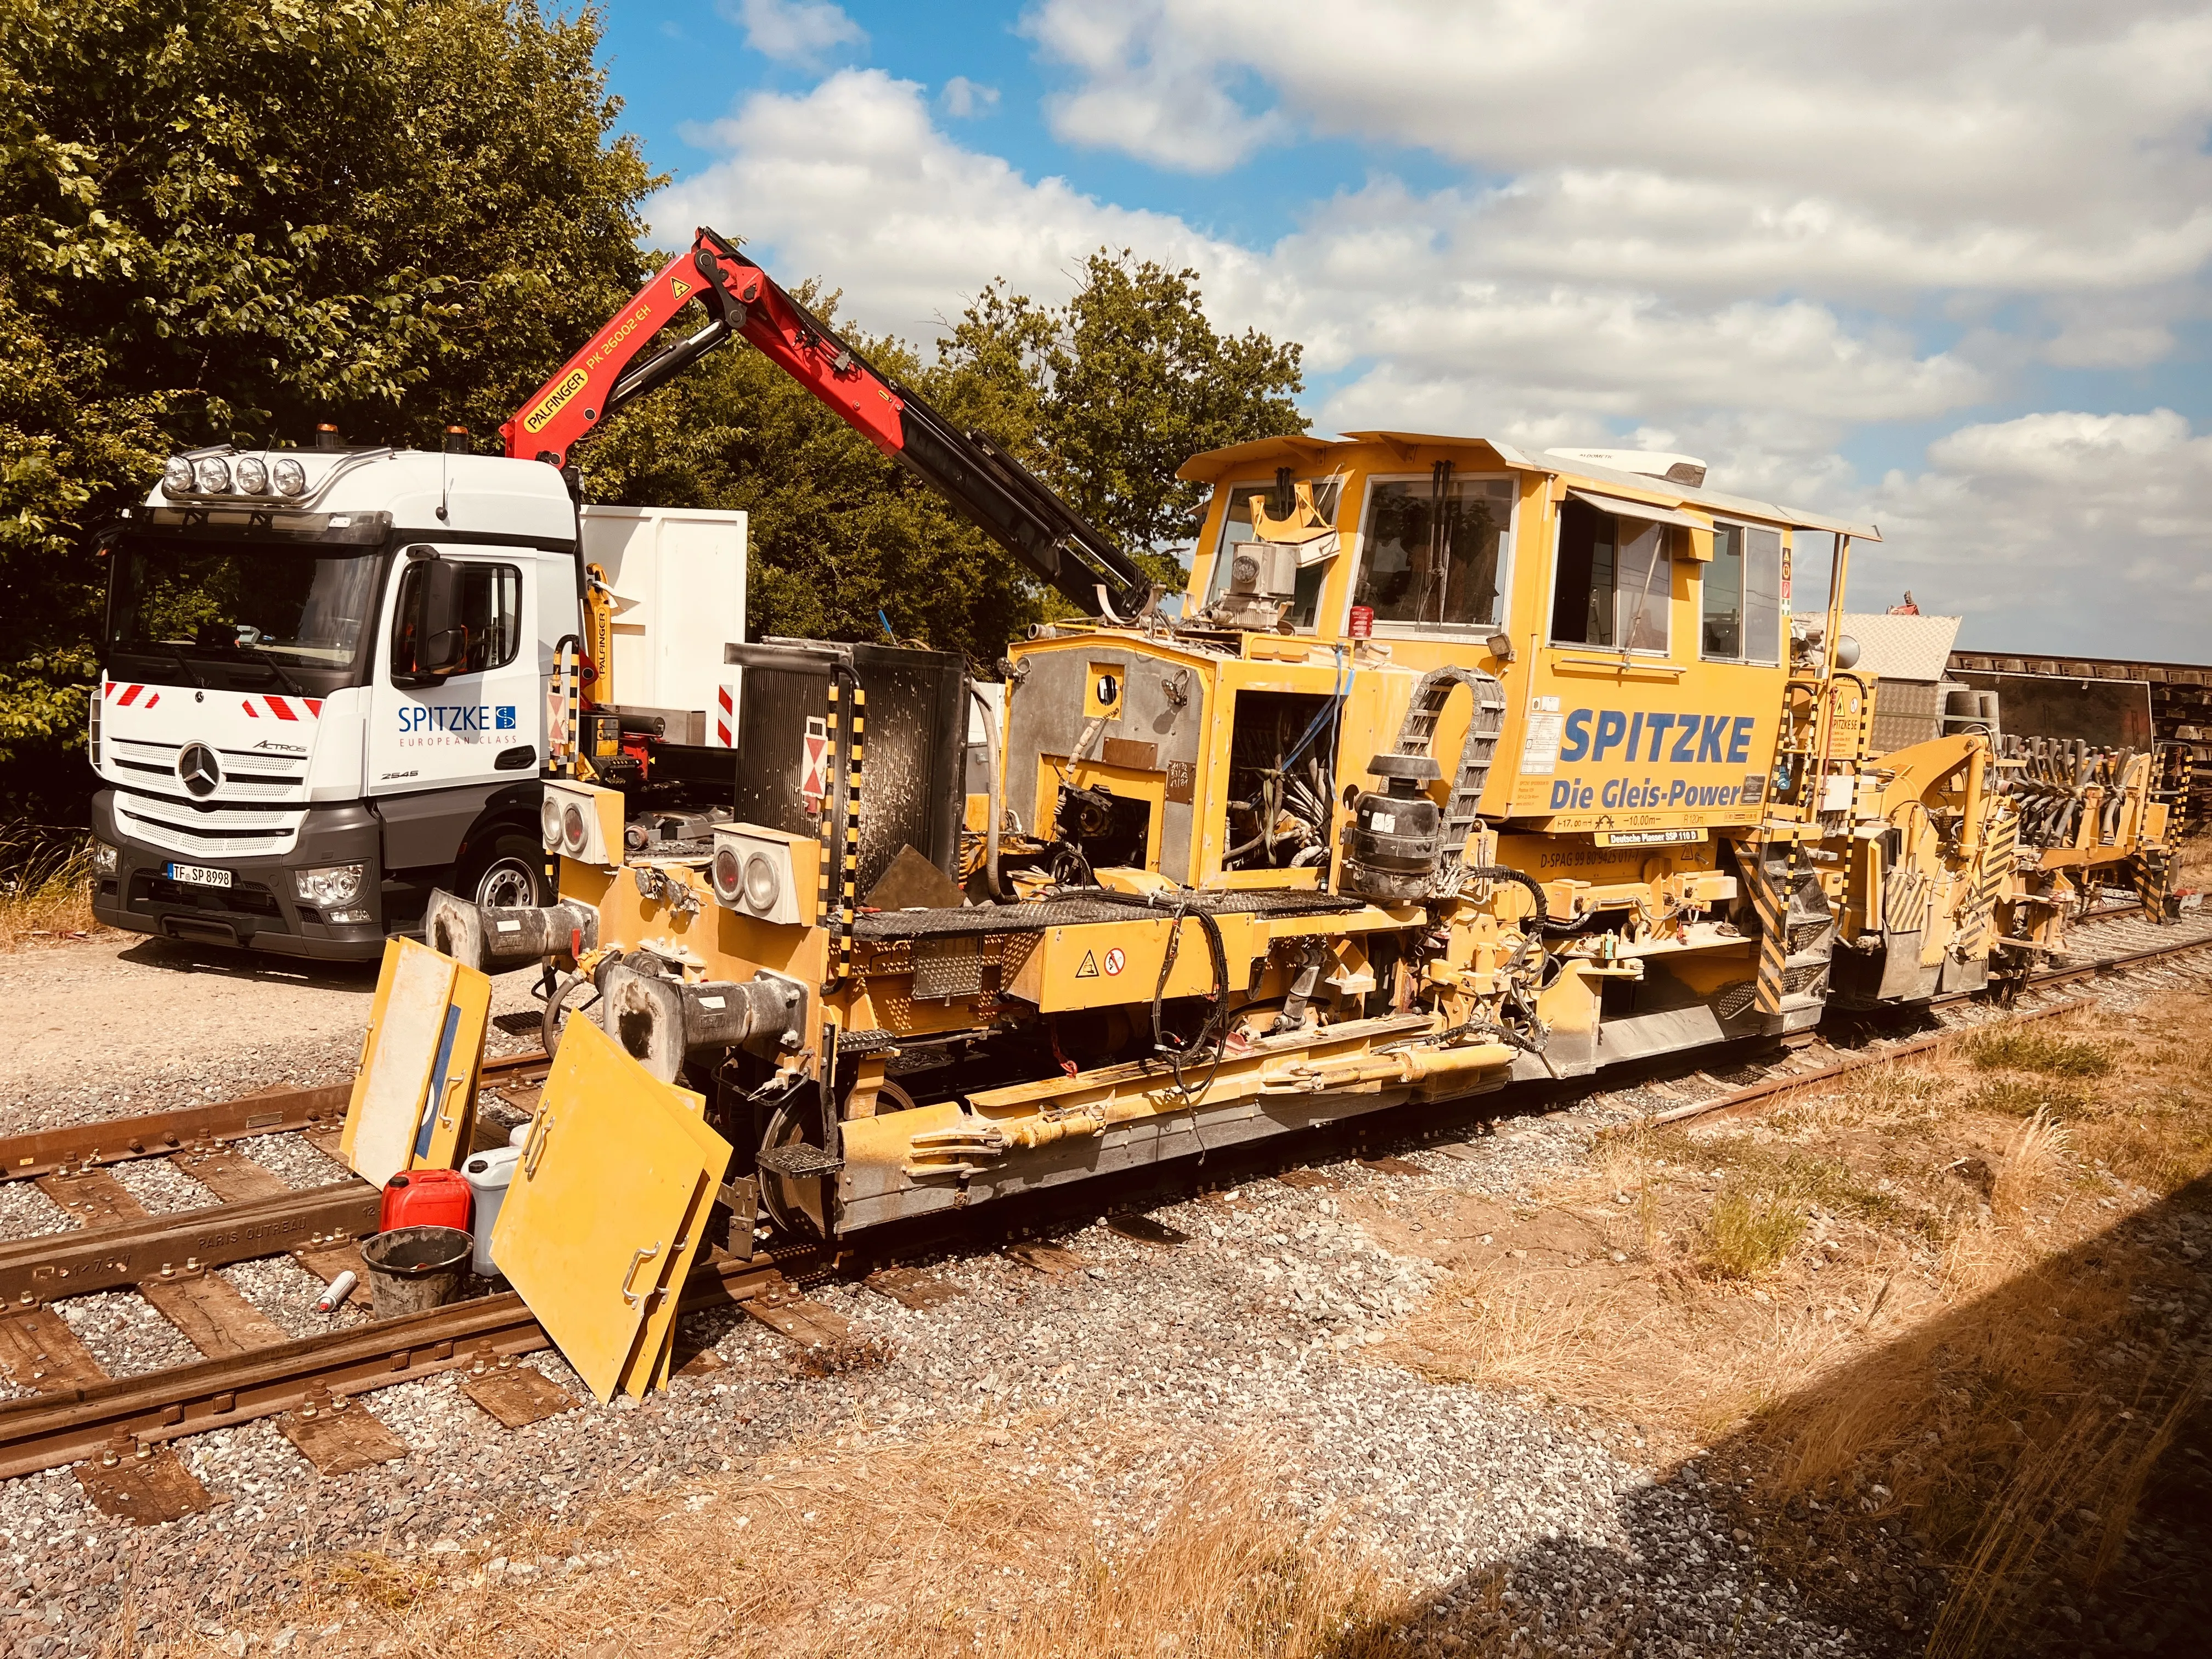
[(1262, 1327)]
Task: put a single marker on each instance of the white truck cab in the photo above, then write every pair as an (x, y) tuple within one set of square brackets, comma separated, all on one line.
[(324, 685)]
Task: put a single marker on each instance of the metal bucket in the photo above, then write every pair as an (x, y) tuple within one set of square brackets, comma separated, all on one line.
[(411, 1269)]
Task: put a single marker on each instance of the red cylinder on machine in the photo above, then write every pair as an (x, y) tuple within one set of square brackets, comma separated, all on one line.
[(425, 1198)]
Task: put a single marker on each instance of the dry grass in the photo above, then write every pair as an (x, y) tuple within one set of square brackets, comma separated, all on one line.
[(879, 1550), (2192, 864), (1931, 1294), (45, 886), (2032, 1159), (1752, 1230)]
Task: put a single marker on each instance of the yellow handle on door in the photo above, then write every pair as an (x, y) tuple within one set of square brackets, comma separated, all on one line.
[(541, 1129), (636, 1261), (452, 1092)]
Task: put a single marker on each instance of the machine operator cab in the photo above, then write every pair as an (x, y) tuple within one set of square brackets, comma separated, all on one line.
[(1618, 636)]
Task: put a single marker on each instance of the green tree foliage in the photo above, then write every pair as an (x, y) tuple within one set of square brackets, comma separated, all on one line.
[(1105, 397), (225, 221)]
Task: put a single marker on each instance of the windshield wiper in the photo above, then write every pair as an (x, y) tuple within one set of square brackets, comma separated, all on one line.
[(283, 674), (185, 663)]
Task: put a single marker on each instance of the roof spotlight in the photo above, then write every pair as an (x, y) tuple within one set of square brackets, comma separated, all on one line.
[(177, 476), (213, 476), (252, 476), (290, 477)]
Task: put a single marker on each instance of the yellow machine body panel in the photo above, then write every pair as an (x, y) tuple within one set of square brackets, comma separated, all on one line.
[(1458, 766)]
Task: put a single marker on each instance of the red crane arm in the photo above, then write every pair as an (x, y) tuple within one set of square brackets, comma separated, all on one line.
[(1014, 507)]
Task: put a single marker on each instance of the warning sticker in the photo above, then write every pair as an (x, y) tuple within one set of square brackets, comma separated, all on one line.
[(1115, 962), (814, 777), (1089, 968), (1540, 746)]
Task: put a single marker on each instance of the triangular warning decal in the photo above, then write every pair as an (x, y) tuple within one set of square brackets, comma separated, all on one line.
[(678, 287), (1090, 969)]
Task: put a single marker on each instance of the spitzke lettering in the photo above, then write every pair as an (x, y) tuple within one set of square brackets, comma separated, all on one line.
[(460, 720), (1601, 735)]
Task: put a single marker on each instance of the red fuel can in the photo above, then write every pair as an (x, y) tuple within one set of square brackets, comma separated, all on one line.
[(426, 1198)]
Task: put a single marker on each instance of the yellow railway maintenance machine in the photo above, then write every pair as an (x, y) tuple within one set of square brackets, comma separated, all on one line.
[(1460, 765)]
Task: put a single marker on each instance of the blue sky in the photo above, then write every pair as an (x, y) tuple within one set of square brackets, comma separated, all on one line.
[(1942, 266)]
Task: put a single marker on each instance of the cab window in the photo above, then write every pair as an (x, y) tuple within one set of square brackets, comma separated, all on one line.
[(490, 610), (1278, 494), (1433, 549), (1741, 612), (1616, 577)]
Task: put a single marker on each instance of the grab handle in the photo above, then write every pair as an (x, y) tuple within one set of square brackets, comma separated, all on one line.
[(541, 1130), (636, 1261)]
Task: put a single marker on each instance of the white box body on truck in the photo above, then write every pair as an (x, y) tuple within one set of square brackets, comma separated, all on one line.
[(319, 704)]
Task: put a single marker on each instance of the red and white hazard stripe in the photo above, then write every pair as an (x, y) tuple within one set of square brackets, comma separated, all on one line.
[(126, 696), (725, 715), (284, 708)]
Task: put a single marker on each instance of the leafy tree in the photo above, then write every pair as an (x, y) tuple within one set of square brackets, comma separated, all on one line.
[(223, 221), (1106, 396)]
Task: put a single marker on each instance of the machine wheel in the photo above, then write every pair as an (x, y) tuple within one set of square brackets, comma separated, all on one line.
[(795, 1207), (507, 873)]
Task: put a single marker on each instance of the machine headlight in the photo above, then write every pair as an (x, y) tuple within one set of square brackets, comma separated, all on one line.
[(212, 476), (328, 884), (549, 823), (729, 873), (177, 476), (290, 478), (572, 828), (252, 474), (104, 858), (762, 886)]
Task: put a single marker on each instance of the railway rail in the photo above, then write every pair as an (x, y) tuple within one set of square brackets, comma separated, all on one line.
[(116, 1430)]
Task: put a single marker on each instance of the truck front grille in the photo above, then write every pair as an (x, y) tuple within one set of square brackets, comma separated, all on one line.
[(247, 774), (214, 832)]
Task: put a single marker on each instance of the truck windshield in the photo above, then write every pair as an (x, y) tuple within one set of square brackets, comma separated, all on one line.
[(283, 609)]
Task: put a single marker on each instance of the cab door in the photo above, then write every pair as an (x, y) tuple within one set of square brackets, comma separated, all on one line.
[(456, 699)]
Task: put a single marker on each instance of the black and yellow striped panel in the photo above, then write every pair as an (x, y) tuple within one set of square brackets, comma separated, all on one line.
[(826, 890), (1997, 856), (1773, 936)]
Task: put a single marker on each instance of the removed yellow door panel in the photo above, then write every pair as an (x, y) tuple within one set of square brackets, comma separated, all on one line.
[(407, 1031), (606, 1207)]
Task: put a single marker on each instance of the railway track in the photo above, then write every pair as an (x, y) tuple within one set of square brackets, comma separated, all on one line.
[(116, 1430)]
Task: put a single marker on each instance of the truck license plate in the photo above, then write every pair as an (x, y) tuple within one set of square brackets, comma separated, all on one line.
[(199, 875)]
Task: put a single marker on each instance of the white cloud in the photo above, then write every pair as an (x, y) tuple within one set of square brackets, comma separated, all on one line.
[(1445, 312), (1829, 146), (964, 100), (794, 31), (2060, 531), (1141, 94), (853, 181)]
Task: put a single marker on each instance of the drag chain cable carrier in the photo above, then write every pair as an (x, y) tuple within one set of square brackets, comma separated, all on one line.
[(1458, 766)]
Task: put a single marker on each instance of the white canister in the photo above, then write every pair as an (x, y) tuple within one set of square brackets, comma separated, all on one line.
[(488, 1174)]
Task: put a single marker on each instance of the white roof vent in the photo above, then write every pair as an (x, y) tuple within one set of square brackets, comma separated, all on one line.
[(1650, 463)]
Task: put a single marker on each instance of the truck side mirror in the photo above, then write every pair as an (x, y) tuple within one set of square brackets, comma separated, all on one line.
[(430, 634)]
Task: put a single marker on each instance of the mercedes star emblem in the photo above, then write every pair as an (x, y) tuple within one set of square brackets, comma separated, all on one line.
[(198, 771)]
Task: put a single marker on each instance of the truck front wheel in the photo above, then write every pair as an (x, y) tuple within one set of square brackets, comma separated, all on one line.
[(506, 873)]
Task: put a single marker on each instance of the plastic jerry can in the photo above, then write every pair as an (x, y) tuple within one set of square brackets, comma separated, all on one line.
[(489, 1174), (425, 1198)]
